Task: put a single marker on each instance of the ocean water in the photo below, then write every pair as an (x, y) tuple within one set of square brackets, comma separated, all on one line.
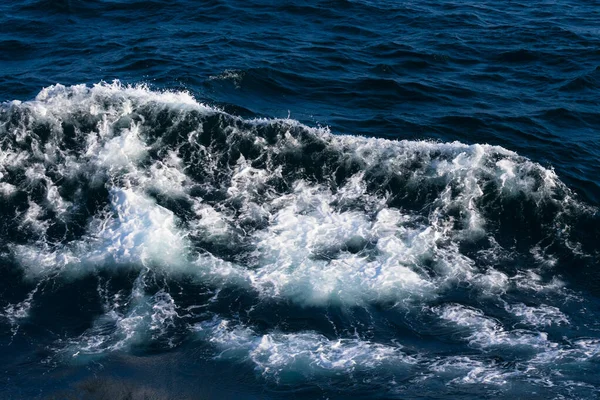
[(299, 200)]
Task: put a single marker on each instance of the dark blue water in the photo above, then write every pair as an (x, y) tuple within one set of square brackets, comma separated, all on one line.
[(327, 199)]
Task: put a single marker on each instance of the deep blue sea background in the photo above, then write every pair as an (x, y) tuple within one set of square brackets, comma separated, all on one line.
[(524, 76)]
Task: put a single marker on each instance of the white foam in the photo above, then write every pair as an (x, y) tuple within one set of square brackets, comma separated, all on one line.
[(167, 176), (7, 189), (32, 218), (532, 281), (467, 371), (581, 350), (303, 255), (127, 322), (123, 151), (484, 332), (541, 316), (106, 97), (308, 353), (233, 75), (15, 313), (140, 233)]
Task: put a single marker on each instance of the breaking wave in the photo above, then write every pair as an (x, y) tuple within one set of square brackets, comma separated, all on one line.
[(300, 252)]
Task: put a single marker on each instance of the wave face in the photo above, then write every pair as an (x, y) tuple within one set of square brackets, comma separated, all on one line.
[(138, 223)]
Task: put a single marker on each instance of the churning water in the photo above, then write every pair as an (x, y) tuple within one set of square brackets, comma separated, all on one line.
[(322, 200)]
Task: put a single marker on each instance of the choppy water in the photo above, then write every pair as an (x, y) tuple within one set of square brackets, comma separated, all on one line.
[(344, 199)]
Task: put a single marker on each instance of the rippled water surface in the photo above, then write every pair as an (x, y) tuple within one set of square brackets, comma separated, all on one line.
[(323, 199)]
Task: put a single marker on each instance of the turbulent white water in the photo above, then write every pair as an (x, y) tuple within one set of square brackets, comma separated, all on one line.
[(104, 179)]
